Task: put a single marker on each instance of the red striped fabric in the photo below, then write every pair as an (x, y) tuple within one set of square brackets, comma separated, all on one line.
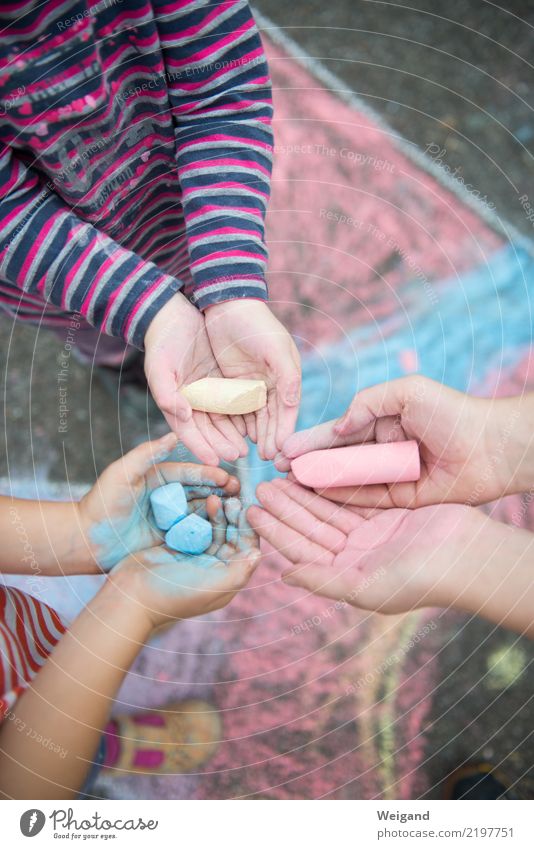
[(29, 630)]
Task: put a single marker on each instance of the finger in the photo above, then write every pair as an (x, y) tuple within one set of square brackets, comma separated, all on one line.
[(380, 496), (213, 437), (280, 505), (140, 460), (323, 509), (288, 391), (394, 398), (215, 512), (225, 552), (316, 580), (238, 531), (241, 567), (270, 447), (232, 509), (172, 403), (239, 423), (389, 429), (262, 421), (196, 476), (325, 436), (192, 438), (281, 463), (227, 428), (198, 506), (287, 541), (247, 537), (250, 422)]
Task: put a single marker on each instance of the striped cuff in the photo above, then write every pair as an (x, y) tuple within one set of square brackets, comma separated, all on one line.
[(222, 289), (143, 304)]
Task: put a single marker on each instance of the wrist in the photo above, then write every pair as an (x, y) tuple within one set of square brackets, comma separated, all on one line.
[(485, 551), (75, 555), (448, 575), (177, 309), (513, 441), (122, 597), (236, 305)]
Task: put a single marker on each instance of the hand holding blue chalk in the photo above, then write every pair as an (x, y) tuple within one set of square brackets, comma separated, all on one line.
[(169, 505), (192, 535)]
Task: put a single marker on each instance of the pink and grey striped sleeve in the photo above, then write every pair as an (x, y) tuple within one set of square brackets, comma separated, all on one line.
[(47, 251), (220, 95)]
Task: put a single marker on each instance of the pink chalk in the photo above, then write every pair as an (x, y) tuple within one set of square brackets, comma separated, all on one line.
[(357, 465)]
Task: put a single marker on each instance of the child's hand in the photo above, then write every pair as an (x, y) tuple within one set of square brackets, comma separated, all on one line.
[(249, 342), (177, 352), (168, 585), (116, 517), (468, 446), (384, 560)]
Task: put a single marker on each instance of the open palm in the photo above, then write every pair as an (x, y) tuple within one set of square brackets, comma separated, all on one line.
[(116, 516), (171, 586), (385, 560), (178, 352), (249, 342)]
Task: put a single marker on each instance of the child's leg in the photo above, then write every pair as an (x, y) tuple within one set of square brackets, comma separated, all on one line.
[(69, 700)]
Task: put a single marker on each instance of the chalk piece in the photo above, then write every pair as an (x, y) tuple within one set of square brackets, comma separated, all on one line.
[(169, 505), (229, 396), (193, 535), (358, 465)]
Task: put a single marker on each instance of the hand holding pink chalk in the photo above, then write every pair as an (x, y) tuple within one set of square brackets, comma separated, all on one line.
[(458, 436), (359, 465)]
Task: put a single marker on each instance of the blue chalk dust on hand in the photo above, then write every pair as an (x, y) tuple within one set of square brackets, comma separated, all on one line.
[(192, 535), (169, 505)]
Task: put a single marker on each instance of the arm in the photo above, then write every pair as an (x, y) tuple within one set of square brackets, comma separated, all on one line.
[(112, 520), (71, 696), (70, 699), (48, 252), (493, 578), (220, 96), (43, 537)]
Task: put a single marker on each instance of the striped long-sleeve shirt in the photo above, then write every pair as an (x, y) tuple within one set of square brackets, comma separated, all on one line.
[(29, 630), (135, 157)]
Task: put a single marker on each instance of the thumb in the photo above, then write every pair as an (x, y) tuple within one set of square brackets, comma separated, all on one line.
[(392, 398), (241, 568), (312, 439), (165, 388), (289, 386), (139, 460)]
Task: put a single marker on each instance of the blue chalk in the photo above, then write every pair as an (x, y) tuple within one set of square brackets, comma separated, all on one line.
[(169, 505), (193, 535)]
